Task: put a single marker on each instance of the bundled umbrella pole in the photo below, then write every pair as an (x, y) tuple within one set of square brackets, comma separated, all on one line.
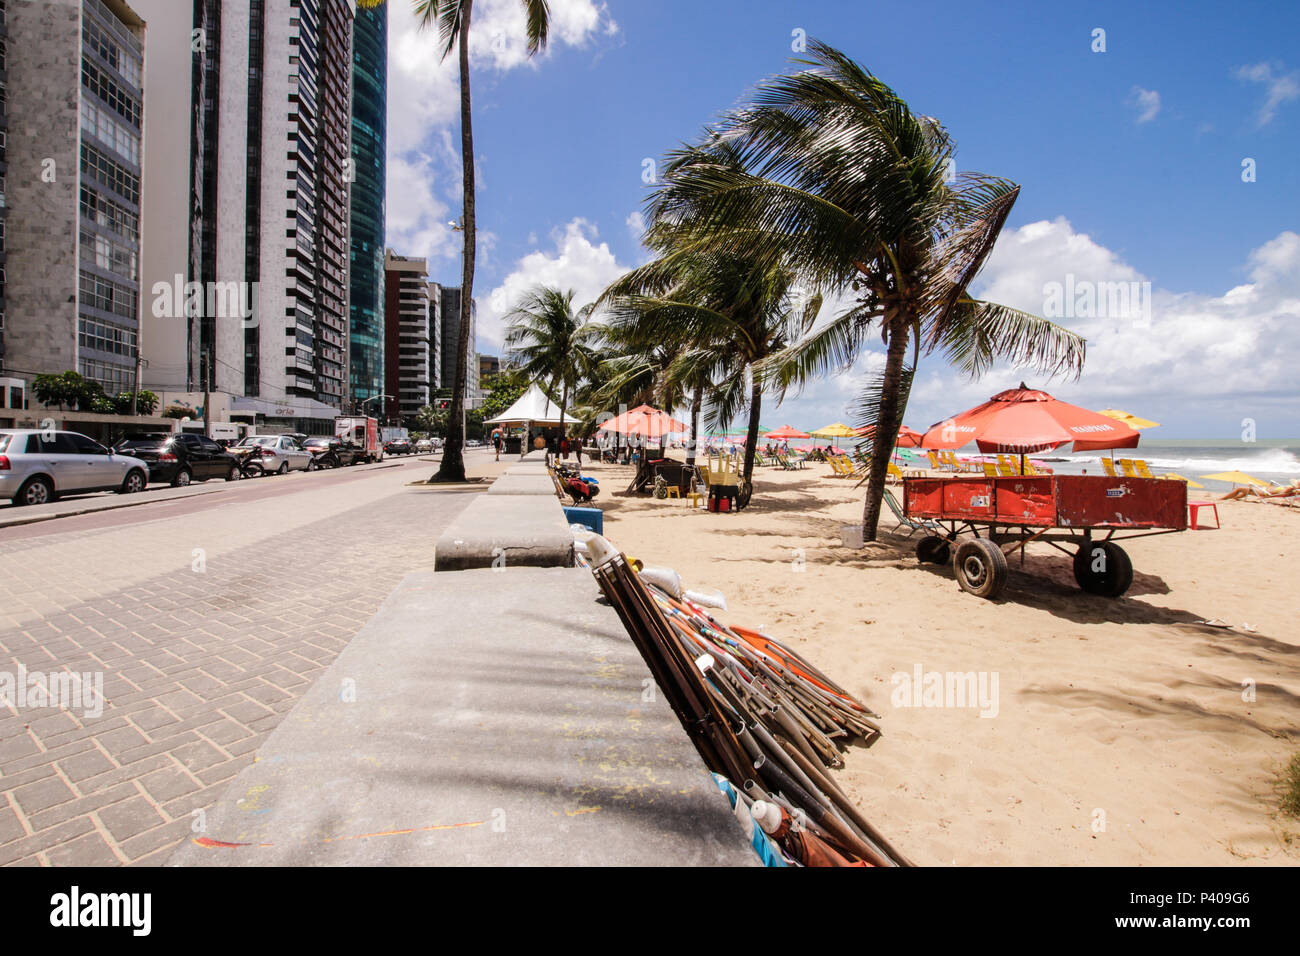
[(766, 722)]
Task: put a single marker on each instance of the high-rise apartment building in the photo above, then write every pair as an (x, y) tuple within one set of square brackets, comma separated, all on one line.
[(409, 358), (75, 105), (451, 340), (266, 107), (435, 337), (366, 279)]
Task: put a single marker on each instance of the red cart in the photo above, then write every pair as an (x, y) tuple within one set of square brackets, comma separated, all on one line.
[(1080, 515)]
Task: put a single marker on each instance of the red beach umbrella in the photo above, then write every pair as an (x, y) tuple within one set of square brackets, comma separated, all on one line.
[(1025, 420), (785, 433), (644, 421), (907, 437)]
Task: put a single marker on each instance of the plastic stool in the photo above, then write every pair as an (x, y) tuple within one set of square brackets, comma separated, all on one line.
[(1194, 508)]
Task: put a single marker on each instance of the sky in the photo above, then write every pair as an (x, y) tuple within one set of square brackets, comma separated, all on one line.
[(1155, 145)]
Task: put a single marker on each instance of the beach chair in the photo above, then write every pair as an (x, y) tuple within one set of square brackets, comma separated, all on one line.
[(990, 470), (837, 468), (911, 523), (1126, 466), (1007, 471), (1109, 467), (1140, 466), (895, 473), (853, 470)]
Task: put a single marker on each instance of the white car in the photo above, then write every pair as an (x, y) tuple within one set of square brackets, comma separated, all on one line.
[(38, 466), (279, 454)]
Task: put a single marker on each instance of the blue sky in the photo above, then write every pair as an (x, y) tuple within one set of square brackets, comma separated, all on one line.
[(1130, 162)]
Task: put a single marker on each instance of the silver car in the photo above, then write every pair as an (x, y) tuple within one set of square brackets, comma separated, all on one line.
[(37, 466), (279, 454)]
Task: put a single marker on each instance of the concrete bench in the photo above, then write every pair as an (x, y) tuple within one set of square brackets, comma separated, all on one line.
[(479, 718)]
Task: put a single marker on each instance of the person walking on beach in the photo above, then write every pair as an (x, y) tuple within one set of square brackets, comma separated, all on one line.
[(564, 447)]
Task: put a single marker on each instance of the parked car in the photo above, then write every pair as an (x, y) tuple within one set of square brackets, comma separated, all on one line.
[(474, 443), (38, 466), (426, 445), (333, 452), (274, 454), (399, 446), (181, 458)]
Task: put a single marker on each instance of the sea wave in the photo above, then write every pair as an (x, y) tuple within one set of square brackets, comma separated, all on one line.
[(1279, 461)]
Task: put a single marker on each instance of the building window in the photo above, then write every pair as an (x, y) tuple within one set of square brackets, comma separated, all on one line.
[(93, 334), (104, 212), (113, 175), (108, 296)]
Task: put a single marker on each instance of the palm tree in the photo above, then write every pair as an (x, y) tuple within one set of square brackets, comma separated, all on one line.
[(548, 341), (828, 172), (452, 18), (735, 312)]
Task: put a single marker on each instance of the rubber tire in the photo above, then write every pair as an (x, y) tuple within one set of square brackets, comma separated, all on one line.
[(254, 470), (933, 549), (981, 568), (127, 488), (313, 465), (47, 497), (283, 469), (234, 474), (661, 487), (182, 479), (1111, 583), (743, 494)]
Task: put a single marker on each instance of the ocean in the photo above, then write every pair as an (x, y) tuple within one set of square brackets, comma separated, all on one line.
[(1275, 460)]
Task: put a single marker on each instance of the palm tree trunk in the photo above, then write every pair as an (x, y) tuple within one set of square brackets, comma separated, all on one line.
[(696, 404), (751, 437), (887, 422), (453, 456)]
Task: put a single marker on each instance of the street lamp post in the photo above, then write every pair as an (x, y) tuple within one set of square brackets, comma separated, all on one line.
[(371, 399)]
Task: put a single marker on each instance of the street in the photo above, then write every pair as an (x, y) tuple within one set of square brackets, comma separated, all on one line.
[(207, 616)]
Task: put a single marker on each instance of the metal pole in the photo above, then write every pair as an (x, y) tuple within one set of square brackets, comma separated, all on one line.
[(207, 391)]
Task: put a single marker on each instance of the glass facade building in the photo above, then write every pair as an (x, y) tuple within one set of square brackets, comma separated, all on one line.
[(369, 107)]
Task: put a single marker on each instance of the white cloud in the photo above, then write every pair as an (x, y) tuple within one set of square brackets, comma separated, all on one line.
[(635, 223), (1147, 103), (1279, 87), (424, 96), (1200, 363), (576, 261)]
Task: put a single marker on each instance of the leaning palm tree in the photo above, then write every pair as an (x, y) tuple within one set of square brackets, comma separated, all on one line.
[(735, 312), (548, 341), (828, 172), (452, 18)]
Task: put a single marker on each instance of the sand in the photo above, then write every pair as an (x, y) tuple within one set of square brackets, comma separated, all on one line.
[(1121, 735)]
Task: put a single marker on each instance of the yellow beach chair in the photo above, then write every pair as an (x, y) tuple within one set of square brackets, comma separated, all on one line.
[(990, 470), (1109, 467), (1140, 466), (1126, 466)]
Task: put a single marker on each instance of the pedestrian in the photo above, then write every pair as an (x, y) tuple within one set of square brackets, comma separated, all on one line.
[(496, 441), (564, 447)]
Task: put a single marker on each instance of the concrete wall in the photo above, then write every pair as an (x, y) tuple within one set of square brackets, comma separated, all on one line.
[(232, 137), (165, 203), (44, 66)]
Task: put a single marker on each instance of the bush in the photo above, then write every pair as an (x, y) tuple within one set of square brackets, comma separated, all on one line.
[(179, 411), (1291, 787)]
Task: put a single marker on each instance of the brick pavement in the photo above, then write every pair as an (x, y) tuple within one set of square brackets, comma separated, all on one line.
[(198, 667)]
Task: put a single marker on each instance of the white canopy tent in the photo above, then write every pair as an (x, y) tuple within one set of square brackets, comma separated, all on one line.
[(532, 407)]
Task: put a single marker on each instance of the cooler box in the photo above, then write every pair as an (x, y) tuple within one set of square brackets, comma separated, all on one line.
[(591, 518)]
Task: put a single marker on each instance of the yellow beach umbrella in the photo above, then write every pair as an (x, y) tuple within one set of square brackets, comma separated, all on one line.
[(1129, 419), (1178, 477), (836, 430), (1238, 478)]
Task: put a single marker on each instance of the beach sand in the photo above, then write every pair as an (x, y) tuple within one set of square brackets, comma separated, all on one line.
[(1121, 735)]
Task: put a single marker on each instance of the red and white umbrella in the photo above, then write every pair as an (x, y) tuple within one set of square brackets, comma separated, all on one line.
[(644, 421), (1025, 420)]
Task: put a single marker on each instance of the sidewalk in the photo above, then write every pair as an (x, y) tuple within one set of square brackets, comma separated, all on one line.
[(480, 718)]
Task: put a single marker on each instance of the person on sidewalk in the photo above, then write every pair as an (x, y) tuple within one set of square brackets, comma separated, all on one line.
[(497, 441)]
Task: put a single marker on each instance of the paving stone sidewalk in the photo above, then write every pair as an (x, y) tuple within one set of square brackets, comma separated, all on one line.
[(198, 667)]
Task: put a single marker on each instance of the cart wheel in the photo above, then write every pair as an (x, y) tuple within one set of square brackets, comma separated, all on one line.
[(1103, 568), (981, 568), (661, 487), (933, 550), (743, 494)]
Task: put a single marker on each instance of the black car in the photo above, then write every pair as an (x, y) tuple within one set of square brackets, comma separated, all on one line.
[(180, 458), (399, 446), (334, 452)]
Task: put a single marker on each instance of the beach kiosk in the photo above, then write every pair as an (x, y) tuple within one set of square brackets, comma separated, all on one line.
[(532, 411)]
